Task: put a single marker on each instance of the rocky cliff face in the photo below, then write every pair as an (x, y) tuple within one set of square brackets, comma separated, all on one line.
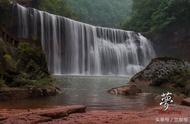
[(175, 42)]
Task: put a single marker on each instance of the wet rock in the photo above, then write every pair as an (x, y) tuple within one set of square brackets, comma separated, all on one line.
[(186, 101), (62, 112), (125, 90), (42, 92)]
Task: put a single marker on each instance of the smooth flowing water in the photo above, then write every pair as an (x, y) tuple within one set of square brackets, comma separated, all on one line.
[(89, 91), (76, 48)]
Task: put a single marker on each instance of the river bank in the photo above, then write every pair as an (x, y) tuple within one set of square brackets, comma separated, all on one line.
[(29, 116), (77, 115)]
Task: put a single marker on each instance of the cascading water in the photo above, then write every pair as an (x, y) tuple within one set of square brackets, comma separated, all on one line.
[(72, 47)]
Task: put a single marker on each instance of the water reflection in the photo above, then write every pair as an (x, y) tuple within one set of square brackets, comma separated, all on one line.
[(89, 91)]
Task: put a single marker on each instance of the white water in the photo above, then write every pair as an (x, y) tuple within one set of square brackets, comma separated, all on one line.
[(76, 48)]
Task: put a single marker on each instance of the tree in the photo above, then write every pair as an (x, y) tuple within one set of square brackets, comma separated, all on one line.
[(58, 7), (109, 13), (141, 15), (158, 15)]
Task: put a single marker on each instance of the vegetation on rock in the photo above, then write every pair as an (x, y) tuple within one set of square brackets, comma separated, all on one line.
[(22, 66)]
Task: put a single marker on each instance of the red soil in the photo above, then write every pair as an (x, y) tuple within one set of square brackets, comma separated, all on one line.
[(176, 114)]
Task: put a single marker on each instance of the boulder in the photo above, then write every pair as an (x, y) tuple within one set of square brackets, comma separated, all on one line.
[(62, 112), (125, 90), (186, 101), (164, 73), (160, 70)]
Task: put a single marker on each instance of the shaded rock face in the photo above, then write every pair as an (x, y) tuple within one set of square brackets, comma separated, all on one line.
[(174, 42)]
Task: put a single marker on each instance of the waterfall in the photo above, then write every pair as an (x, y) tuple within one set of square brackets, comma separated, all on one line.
[(76, 48)]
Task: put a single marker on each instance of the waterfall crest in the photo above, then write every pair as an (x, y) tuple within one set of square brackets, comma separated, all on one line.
[(72, 47)]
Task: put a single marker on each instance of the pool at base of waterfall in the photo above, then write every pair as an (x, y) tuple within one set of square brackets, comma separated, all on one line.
[(86, 90)]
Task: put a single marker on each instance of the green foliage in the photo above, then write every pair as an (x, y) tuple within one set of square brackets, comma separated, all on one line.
[(31, 60), (181, 79), (24, 48), (7, 62), (109, 13), (46, 81), (2, 83), (10, 62), (158, 15), (5, 2), (141, 15), (26, 66), (58, 7), (5, 11), (20, 80), (24, 80)]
